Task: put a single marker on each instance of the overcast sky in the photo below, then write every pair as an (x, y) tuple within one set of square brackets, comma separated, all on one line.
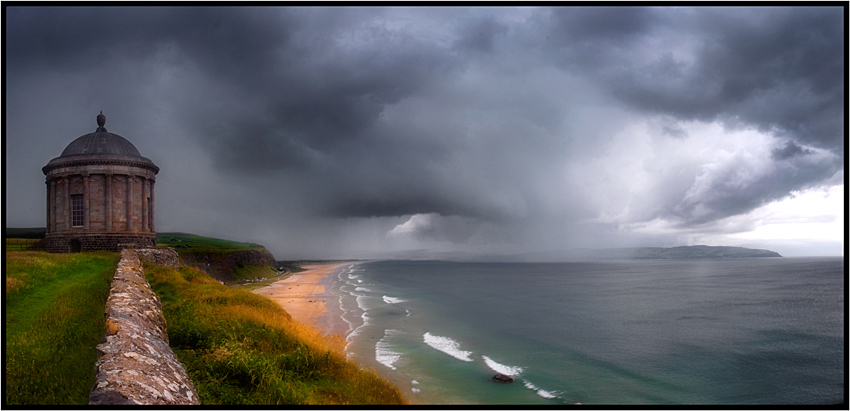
[(346, 132)]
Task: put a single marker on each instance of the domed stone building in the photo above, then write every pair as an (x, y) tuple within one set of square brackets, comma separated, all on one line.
[(100, 195)]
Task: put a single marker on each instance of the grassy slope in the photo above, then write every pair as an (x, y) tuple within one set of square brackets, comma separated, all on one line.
[(196, 244), (238, 347), (243, 349), (54, 320), (216, 248)]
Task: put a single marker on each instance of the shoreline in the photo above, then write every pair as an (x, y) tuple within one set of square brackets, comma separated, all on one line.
[(304, 296)]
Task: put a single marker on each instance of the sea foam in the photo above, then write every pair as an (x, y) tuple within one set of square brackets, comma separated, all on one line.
[(541, 392), (501, 368), (392, 300), (448, 346), (383, 353)]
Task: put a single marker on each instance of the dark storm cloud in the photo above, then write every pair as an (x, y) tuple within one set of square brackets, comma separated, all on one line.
[(79, 37), (789, 150), (481, 35), (595, 26), (592, 38), (780, 70), (467, 116), (736, 188), (312, 91)]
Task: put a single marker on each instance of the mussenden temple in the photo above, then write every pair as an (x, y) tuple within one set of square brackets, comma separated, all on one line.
[(100, 195)]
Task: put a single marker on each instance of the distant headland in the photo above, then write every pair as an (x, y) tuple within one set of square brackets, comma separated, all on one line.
[(652, 253)]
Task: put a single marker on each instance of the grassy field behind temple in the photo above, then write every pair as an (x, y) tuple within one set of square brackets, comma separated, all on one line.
[(243, 349), (54, 320)]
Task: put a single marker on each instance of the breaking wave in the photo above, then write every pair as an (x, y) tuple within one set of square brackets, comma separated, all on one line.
[(383, 353), (501, 368), (448, 346), (541, 392)]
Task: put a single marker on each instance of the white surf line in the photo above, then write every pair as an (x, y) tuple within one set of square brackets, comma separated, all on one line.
[(392, 300), (383, 353), (541, 392), (447, 346), (512, 371)]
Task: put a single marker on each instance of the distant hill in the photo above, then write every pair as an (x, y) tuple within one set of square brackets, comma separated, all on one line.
[(34, 232), (701, 251), (647, 253)]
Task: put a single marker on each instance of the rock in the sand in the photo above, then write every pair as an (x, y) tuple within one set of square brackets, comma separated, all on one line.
[(502, 378)]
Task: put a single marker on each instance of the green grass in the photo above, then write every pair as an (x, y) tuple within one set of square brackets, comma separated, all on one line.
[(20, 244), (264, 283), (54, 306), (245, 272), (243, 349), (191, 243)]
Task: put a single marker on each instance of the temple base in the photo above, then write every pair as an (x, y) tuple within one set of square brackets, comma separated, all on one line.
[(71, 243)]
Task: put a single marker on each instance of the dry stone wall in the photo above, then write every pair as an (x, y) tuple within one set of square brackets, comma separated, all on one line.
[(136, 365)]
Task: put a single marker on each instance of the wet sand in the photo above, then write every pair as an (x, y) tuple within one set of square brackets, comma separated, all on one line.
[(306, 300)]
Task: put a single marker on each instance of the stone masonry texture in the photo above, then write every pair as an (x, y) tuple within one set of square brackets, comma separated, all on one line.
[(61, 243), (136, 366)]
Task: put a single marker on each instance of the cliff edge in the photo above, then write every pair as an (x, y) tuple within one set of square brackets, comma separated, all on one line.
[(223, 260)]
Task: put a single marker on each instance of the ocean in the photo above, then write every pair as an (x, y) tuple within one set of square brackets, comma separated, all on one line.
[(718, 332)]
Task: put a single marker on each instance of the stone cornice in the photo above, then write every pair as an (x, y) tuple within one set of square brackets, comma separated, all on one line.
[(83, 160)]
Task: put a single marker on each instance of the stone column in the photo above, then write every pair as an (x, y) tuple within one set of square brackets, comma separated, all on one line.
[(153, 208), (108, 195), (129, 226), (52, 205), (86, 201), (67, 210), (47, 221), (145, 205)]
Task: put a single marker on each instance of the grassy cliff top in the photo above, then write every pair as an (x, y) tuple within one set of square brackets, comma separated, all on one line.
[(191, 243)]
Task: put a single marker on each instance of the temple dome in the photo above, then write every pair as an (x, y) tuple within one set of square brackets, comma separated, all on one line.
[(101, 142), (100, 147)]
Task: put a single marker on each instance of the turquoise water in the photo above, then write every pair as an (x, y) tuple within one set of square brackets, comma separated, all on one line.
[(748, 331)]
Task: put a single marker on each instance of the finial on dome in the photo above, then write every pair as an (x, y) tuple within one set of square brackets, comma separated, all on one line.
[(101, 120)]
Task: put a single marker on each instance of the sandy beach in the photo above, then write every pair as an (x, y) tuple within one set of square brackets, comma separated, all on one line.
[(305, 299)]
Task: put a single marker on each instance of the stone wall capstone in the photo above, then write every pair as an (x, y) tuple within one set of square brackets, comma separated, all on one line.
[(136, 365)]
